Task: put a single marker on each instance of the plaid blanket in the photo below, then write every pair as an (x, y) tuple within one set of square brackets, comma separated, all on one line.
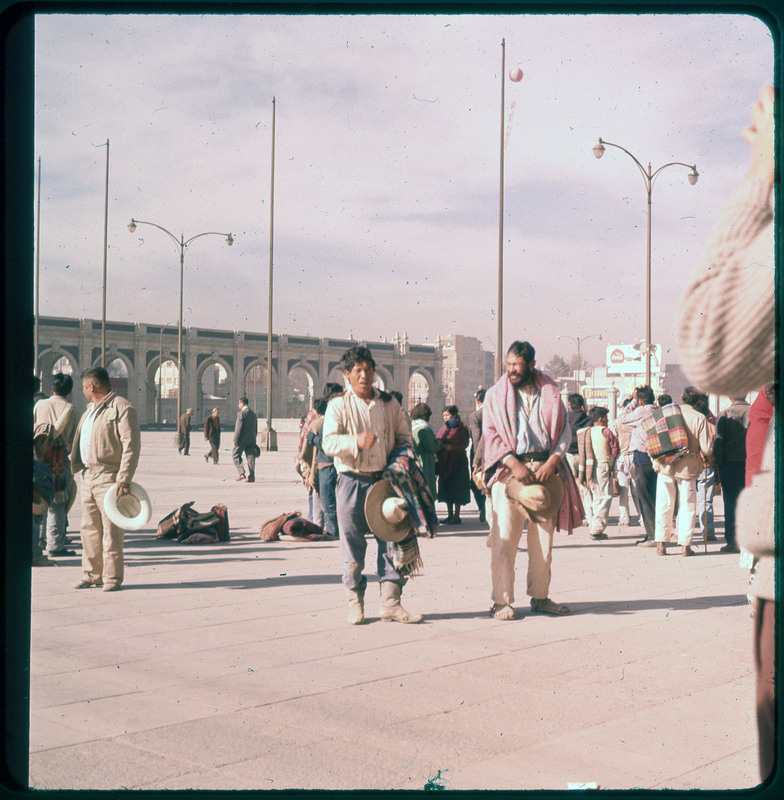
[(665, 433)]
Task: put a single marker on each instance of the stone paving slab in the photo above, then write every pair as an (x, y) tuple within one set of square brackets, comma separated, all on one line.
[(232, 667)]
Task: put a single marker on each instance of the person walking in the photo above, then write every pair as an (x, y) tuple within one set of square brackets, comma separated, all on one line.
[(679, 478), (361, 429), (643, 475), (597, 452), (212, 432), (425, 443), (184, 432), (57, 413), (245, 432), (452, 465), (106, 449)]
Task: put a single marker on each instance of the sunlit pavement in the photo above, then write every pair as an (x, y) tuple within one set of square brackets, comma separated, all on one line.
[(231, 666)]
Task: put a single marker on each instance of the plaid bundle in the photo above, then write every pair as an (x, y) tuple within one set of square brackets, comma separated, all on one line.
[(665, 433)]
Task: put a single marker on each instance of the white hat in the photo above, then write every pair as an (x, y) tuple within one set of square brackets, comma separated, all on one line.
[(386, 513), (130, 511)]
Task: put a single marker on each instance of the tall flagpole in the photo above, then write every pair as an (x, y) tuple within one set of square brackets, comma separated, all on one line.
[(500, 338), (105, 250), (272, 439)]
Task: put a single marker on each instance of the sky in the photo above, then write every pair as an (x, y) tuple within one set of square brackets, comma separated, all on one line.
[(386, 169)]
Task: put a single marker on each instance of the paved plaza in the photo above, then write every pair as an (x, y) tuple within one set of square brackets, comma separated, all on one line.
[(231, 666)]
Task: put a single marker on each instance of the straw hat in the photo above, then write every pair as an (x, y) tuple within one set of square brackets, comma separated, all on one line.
[(541, 501), (130, 511), (387, 513)]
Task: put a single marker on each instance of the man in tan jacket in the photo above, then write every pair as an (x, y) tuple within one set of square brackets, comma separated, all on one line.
[(106, 451), (681, 476)]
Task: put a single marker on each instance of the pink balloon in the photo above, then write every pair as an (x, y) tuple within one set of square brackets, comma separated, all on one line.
[(515, 74)]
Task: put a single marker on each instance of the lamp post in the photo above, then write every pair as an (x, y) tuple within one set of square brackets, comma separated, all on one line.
[(499, 359), (649, 178), (579, 340), (181, 243), (160, 372)]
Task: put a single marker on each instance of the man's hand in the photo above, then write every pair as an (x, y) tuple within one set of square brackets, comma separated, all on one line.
[(546, 470), (520, 470), (122, 488), (760, 135), (365, 440)]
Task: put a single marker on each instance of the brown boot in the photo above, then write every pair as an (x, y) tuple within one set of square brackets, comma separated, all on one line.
[(356, 607), (391, 610)]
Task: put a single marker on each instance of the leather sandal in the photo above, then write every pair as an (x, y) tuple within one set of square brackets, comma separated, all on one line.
[(547, 606)]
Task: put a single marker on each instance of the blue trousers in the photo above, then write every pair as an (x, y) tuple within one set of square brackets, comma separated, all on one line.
[(352, 526), (705, 484), (328, 477)]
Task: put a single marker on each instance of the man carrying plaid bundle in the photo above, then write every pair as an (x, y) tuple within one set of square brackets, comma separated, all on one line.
[(361, 429), (680, 476)]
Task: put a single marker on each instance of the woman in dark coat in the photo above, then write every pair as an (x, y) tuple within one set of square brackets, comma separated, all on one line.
[(452, 465)]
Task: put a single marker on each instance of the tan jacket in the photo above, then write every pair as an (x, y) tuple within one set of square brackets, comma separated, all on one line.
[(59, 413), (343, 422), (700, 440), (115, 443)]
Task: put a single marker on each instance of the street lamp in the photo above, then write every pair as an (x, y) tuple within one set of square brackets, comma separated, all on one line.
[(649, 179), (181, 243), (579, 340)]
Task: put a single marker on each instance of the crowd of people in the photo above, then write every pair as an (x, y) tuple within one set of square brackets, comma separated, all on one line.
[(533, 465)]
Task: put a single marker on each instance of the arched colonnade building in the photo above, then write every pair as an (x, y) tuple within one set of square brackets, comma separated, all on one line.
[(220, 366)]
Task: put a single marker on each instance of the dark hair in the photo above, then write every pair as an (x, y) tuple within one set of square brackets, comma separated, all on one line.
[(664, 400), (97, 375), (62, 384), (244, 400), (691, 396), (645, 395), (358, 354), (595, 413), (576, 401), (421, 411), (524, 350), (332, 389), (451, 410), (398, 396), (626, 402), (480, 395), (321, 405)]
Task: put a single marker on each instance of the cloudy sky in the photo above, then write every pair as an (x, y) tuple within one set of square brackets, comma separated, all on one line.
[(387, 142)]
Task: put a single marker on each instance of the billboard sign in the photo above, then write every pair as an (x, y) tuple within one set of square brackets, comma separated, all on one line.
[(629, 359), (599, 395)]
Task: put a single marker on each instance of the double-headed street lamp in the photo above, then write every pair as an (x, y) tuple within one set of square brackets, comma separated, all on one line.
[(579, 340), (649, 178), (181, 243)]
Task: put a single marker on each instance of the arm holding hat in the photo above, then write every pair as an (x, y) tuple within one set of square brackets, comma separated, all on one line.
[(130, 441)]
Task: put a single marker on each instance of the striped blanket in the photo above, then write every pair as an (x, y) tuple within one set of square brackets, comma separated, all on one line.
[(665, 433)]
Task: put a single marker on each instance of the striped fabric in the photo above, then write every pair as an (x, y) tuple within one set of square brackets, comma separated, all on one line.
[(665, 433)]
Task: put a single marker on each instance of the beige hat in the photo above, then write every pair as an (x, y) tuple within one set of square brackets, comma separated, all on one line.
[(387, 513), (541, 501), (130, 511)]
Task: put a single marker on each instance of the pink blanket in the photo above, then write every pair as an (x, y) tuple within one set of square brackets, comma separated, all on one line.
[(499, 438)]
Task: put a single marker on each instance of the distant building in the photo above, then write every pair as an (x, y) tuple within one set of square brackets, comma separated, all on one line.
[(467, 366)]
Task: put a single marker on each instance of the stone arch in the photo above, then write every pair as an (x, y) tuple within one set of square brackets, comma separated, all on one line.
[(121, 371), (301, 383), (214, 381), (49, 362), (254, 386), (336, 375), (421, 387), (161, 409), (383, 379)]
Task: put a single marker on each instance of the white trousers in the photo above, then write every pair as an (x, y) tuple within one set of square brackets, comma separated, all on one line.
[(666, 490), (507, 520), (601, 492)]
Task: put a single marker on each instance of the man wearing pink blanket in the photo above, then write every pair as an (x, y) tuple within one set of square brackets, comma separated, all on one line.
[(525, 436)]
